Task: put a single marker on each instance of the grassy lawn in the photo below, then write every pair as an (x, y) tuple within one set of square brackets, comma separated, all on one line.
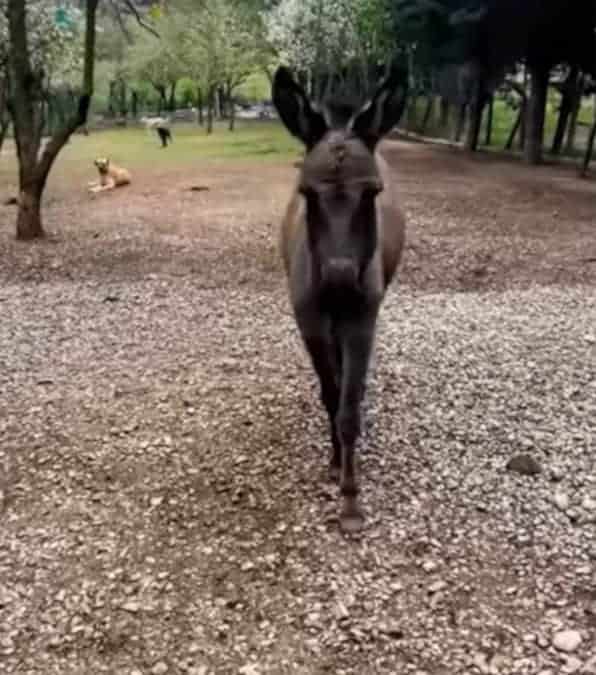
[(504, 118), (135, 148)]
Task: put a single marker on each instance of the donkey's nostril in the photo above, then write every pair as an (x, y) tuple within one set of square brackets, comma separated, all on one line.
[(340, 272)]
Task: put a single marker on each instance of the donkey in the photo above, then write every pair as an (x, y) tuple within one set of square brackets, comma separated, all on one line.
[(341, 242)]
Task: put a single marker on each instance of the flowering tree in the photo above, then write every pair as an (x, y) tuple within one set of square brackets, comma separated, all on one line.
[(38, 55), (332, 43), (55, 49)]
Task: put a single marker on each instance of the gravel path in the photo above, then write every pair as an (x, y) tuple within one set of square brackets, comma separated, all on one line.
[(163, 501)]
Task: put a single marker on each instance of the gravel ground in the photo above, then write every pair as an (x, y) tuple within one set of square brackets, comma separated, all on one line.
[(163, 454)]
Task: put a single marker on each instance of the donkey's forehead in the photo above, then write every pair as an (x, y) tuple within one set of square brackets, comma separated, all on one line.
[(340, 157)]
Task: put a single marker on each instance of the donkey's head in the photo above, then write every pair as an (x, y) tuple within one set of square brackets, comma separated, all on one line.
[(340, 179)]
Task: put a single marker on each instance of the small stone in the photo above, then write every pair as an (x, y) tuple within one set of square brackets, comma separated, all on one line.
[(136, 671), (557, 474), (132, 607), (437, 586), (589, 667), (588, 503), (160, 668), (341, 612), (249, 669), (567, 640), (525, 465), (194, 648), (247, 566), (572, 665), (394, 631), (561, 501), (429, 566)]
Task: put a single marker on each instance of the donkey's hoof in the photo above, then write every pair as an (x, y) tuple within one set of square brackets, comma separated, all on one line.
[(351, 518), (334, 472)]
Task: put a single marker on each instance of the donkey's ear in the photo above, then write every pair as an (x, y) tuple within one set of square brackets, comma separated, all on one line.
[(295, 110), (383, 112)]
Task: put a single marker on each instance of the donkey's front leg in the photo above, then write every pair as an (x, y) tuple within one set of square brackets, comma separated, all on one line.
[(323, 356), (357, 337)]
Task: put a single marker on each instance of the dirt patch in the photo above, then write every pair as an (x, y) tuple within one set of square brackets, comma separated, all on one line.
[(163, 447)]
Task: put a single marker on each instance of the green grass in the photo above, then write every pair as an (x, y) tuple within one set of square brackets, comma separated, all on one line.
[(134, 148), (256, 141), (504, 118)]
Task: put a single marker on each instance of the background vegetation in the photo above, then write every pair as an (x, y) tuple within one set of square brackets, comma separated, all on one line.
[(495, 73)]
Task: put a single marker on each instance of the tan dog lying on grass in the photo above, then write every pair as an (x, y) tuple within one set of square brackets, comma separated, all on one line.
[(110, 176)]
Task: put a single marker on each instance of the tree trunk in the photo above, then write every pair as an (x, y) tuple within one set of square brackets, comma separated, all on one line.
[(4, 124), (200, 106), (515, 128), (461, 122), (489, 121), (444, 115), (161, 98), (134, 103), (590, 146), (475, 121), (210, 110), (567, 98), (172, 100), (4, 114), (427, 113), (412, 110), (122, 99), (112, 99), (29, 225), (575, 108), (536, 111), (232, 109), (27, 117)]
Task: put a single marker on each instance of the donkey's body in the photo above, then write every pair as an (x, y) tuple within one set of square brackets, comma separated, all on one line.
[(341, 242)]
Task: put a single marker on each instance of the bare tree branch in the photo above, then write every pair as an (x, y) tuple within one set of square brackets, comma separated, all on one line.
[(118, 16), (130, 6)]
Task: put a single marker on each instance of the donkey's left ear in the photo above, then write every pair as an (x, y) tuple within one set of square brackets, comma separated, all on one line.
[(295, 110), (383, 112)]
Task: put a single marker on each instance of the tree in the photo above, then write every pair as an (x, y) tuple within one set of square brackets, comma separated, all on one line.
[(159, 59), (543, 34), (221, 44), (35, 44), (336, 46)]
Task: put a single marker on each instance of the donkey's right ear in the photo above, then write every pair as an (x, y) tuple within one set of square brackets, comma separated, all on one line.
[(295, 110)]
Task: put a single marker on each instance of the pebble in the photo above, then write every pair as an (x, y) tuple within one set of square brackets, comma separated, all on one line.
[(588, 503), (437, 586), (249, 669), (561, 501), (429, 566), (572, 665), (567, 640), (160, 668), (132, 607), (525, 465)]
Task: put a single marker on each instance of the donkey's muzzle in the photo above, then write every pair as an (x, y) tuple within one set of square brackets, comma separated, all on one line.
[(340, 273)]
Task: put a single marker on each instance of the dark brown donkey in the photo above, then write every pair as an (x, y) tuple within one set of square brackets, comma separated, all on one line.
[(341, 241)]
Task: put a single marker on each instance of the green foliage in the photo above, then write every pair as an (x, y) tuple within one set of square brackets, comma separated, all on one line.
[(55, 50)]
